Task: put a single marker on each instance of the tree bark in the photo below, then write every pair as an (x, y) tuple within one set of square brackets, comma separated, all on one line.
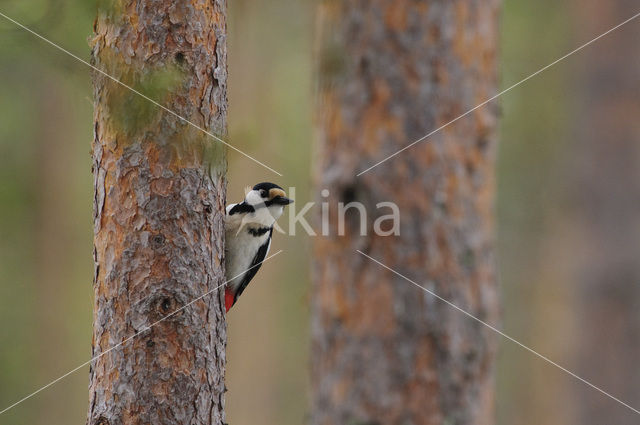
[(383, 351), (603, 166), (158, 213)]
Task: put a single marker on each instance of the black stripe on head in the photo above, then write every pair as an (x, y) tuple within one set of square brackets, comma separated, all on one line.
[(266, 186)]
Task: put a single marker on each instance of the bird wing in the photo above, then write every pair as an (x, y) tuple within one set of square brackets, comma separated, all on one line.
[(256, 263)]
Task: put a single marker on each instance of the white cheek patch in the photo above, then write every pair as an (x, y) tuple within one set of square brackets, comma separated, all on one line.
[(254, 198), (263, 216)]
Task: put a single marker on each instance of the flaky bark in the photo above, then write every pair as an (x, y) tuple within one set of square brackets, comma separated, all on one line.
[(383, 351), (159, 205), (603, 169)]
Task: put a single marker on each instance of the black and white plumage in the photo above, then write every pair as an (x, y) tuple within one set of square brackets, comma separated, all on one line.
[(248, 228)]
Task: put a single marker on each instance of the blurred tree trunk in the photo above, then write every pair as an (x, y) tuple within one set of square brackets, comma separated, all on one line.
[(159, 211), (383, 351), (604, 176)]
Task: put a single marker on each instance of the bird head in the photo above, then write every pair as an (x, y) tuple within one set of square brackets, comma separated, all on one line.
[(268, 201)]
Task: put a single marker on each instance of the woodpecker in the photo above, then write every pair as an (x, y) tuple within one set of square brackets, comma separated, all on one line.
[(248, 230)]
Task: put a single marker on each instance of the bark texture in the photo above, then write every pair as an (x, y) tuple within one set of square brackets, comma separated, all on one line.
[(604, 176), (158, 213), (384, 351)]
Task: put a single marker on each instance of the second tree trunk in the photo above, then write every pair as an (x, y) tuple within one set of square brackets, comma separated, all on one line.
[(384, 351)]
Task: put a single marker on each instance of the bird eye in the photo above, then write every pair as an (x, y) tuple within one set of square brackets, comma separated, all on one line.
[(263, 193)]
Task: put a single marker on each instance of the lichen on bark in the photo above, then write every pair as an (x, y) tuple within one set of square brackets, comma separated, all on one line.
[(158, 212)]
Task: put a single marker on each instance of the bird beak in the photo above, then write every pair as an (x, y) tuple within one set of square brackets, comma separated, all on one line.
[(282, 200)]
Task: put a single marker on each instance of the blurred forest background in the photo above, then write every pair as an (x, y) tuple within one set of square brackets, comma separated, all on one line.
[(567, 210)]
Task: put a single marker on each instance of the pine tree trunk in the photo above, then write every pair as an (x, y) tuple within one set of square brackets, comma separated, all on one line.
[(158, 213), (384, 351), (604, 183)]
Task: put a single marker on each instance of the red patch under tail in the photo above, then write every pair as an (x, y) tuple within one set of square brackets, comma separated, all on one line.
[(228, 299)]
